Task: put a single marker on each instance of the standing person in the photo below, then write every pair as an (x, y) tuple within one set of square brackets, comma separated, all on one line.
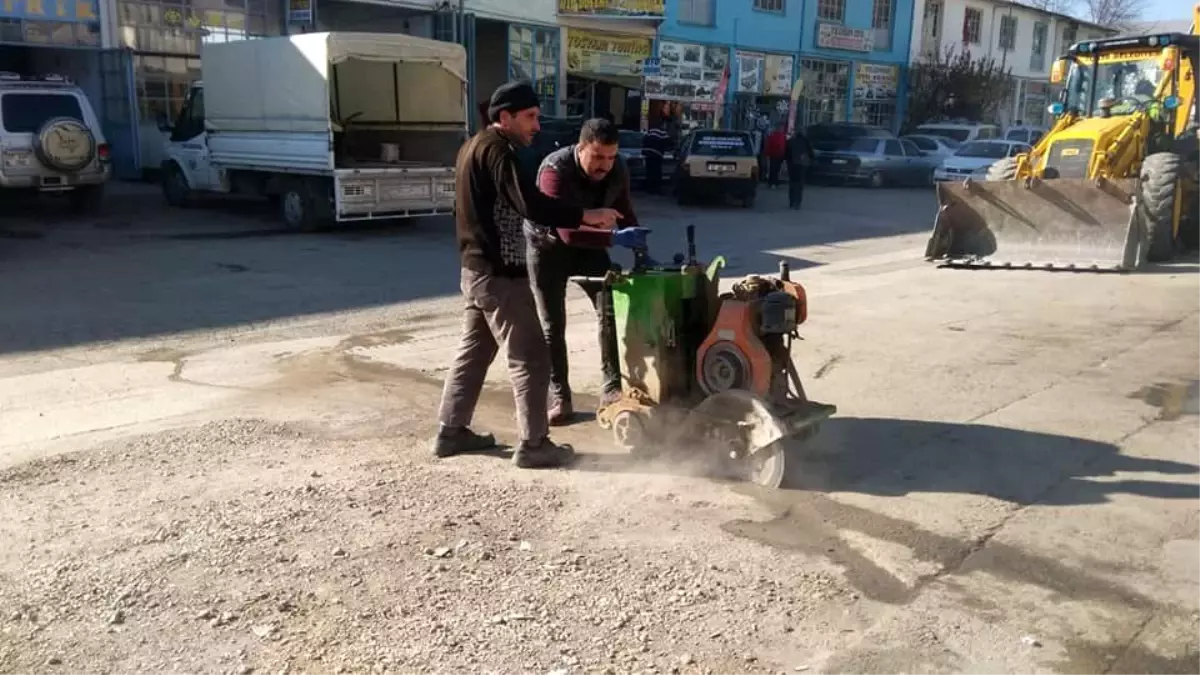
[(799, 156), (776, 150), (588, 174), (490, 201), (654, 143)]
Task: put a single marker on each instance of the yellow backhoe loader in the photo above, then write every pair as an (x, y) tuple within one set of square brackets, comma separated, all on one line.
[(1112, 185)]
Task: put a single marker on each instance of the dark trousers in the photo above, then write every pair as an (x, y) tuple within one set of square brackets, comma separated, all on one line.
[(499, 310), (549, 270), (654, 166), (776, 163), (795, 185)]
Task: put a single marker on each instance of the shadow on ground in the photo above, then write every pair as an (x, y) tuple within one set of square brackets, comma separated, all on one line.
[(141, 269)]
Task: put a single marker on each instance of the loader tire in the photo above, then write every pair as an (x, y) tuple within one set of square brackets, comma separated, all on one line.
[(1160, 178), (1005, 169)]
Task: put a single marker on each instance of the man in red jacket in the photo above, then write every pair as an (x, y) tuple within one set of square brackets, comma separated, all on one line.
[(775, 150)]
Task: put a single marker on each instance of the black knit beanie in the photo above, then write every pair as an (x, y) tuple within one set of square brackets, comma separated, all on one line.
[(513, 97)]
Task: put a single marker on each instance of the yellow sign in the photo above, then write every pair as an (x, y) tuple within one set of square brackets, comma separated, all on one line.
[(599, 53), (1122, 56), (620, 8)]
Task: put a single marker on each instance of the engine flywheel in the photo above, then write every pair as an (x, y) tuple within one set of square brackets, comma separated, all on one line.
[(724, 367)]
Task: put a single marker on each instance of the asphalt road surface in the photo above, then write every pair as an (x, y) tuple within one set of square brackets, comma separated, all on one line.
[(213, 457)]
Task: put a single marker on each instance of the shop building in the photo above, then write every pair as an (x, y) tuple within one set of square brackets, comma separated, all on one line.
[(854, 61), (728, 64), (1019, 38), (607, 46)]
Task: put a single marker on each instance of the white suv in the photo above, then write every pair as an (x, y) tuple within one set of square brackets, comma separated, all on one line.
[(50, 140)]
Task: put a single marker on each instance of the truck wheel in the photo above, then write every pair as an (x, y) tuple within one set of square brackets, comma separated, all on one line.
[(1005, 169), (305, 205), (1159, 191), (175, 186)]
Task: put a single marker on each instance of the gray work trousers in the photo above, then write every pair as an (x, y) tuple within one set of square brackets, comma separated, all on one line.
[(499, 310)]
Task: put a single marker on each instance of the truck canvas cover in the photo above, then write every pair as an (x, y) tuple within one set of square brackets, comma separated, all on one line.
[(290, 84)]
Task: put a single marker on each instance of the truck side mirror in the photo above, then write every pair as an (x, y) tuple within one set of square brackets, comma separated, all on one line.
[(164, 122), (1058, 70)]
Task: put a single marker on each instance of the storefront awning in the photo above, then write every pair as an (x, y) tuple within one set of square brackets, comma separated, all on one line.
[(627, 81)]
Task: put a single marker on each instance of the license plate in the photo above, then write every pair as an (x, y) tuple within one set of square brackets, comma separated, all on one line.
[(840, 161), (721, 168)]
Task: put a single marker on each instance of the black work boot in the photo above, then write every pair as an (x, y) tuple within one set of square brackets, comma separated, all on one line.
[(455, 440), (561, 412), (543, 454)]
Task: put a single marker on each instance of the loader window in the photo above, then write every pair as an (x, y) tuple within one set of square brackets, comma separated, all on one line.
[(1132, 84)]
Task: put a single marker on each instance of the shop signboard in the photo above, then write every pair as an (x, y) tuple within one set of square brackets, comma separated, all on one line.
[(833, 36), (651, 66), (750, 72), (599, 53), (614, 9), (687, 72), (875, 82), (777, 75), (300, 11), (62, 22)]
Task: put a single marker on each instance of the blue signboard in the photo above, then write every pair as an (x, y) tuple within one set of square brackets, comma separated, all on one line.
[(74, 11)]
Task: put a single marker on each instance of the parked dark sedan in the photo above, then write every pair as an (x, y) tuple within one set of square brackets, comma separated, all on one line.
[(874, 161)]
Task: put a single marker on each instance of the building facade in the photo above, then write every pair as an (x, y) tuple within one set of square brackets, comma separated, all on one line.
[(1019, 38), (606, 46), (725, 63), (854, 58)]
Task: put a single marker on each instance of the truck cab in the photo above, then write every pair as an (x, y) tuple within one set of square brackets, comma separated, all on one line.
[(188, 164)]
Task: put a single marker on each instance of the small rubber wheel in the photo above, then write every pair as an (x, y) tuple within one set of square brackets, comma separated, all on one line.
[(877, 180), (629, 432), (175, 186)]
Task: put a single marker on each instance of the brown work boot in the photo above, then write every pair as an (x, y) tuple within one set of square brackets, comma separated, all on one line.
[(561, 412), (543, 454), (455, 440)]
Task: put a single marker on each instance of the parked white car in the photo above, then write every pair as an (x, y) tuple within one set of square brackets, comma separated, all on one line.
[(1024, 133), (938, 147), (960, 131), (974, 158)]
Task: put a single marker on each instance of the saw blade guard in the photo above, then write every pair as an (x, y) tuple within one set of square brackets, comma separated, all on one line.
[(1059, 223), (735, 409)]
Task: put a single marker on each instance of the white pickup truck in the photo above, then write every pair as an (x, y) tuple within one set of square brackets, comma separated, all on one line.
[(333, 127)]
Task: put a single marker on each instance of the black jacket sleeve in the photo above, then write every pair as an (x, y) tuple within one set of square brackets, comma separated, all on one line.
[(522, 194)]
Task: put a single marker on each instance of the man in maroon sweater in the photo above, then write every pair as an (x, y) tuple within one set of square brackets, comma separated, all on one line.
[(491, 199), (590, 175)]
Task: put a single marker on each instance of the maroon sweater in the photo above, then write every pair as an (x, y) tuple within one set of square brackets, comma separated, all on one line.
[(550, 180)]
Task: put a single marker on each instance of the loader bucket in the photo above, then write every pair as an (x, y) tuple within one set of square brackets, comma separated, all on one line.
[(1060, 223)]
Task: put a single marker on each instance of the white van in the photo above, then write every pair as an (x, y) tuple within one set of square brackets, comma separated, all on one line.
[(960, 131)]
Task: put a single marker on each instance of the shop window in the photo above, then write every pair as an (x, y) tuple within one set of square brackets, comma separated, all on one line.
[(877, 113), (533, 57), (1008, 33), (155, 26), (881, 24), (826, 89), (831, 10), (163, 83), (698, 12), (972, 26), (769, 5)]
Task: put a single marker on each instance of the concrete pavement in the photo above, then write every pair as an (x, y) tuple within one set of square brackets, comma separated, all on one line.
[(1010, 484)]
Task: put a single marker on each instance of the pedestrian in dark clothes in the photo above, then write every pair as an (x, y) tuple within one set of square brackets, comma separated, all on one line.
[(589, 174), (655, 143), (491, 201), (799, 157)]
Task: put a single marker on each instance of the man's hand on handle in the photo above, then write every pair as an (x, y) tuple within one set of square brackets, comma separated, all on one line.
[(605, 219)]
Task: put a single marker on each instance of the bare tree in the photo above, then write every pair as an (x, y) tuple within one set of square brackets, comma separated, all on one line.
[(1115, 13), (951, 84), (1054, 6)]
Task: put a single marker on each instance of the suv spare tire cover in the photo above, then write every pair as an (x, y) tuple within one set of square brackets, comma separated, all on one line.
[(64, 144)]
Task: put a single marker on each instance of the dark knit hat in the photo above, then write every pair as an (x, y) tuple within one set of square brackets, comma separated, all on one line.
[(513, 97)]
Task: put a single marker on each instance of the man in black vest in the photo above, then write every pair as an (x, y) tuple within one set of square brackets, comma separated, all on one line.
[(588, 174)]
